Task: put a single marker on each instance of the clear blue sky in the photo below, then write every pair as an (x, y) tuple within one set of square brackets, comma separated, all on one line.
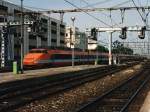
[(83, 21)]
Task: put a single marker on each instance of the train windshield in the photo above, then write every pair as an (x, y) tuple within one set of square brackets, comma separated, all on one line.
[(38, 51)]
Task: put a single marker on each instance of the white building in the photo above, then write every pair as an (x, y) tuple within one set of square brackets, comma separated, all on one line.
[(80, 41)]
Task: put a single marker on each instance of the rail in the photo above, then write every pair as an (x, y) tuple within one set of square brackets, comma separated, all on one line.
[(12, 97), (120, 99)]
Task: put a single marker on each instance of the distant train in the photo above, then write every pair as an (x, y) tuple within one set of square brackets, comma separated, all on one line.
[(61, 57)]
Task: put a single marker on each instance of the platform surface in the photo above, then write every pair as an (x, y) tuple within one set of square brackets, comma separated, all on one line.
[(9, 76), (146, 106)]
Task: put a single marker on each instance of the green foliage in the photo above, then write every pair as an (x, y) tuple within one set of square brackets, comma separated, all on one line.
[(101, 48), (119, 48)]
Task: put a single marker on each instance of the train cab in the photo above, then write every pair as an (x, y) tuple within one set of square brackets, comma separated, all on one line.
[(36, 57)]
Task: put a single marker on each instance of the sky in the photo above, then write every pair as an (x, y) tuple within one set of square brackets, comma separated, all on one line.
[(83, 21)]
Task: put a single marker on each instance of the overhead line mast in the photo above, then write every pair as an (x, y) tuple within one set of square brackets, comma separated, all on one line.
[(88, 10), (96, 9)]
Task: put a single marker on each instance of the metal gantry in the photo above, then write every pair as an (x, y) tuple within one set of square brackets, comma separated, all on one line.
[(111, 30), (94, 9)]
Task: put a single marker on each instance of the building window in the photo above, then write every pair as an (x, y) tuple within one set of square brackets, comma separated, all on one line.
[(62, 41), (54, 31), (44, 39), (1, 19), (3, 8), (53, 23), (16, 13), (54, 40), (43, 20), (32, 37), (62, 33), (62, 26)]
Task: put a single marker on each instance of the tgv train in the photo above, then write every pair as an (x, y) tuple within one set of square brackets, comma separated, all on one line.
[(61, 57)]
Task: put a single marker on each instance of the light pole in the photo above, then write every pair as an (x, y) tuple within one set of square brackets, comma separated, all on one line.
[(22, 38), (110, 48), (73, 39)]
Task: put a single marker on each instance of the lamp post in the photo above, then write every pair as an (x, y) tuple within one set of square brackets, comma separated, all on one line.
[(110, 48), (22, 38), (73, 39)]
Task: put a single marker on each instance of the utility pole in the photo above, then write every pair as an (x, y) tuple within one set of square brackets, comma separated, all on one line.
[(73, 39), (22, 38), (110, 48)]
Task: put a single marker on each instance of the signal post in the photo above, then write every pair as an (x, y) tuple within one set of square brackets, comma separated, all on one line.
[(110, 47)]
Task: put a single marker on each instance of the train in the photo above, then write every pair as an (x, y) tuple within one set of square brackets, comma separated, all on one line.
[(57, 56), (61, 57)]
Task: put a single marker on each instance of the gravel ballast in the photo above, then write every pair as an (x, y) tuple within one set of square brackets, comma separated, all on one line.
[(70, 100)]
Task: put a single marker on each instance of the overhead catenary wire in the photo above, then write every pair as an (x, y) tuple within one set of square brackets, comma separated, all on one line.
[(144, 20), (146, 23), (97, 3), (88, 13), (122, 3), (102, 13)]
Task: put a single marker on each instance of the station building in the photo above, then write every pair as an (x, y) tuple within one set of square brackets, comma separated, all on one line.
[(80, 41), (47, 32)]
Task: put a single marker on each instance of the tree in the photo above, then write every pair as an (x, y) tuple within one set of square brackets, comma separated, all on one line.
[(119, 48), (101, 48)]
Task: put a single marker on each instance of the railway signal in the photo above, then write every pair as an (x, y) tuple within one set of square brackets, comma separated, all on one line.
[(123, 34), (94, 33), (141, 34)]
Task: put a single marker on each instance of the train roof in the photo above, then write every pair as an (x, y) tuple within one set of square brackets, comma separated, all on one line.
[(58, 48)]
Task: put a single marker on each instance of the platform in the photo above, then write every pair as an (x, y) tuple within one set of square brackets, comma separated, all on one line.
[(9, 76), (146, 106)]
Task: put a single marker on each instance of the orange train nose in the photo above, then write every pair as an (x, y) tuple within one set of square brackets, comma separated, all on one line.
[(31, 59)]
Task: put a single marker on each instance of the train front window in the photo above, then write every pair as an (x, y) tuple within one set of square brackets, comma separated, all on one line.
[(38, 51)]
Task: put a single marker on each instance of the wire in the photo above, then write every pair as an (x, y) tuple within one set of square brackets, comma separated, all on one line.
[(139, 12), (102, 13), (122, 3), (145, 21), (97, 3), (88, 13)]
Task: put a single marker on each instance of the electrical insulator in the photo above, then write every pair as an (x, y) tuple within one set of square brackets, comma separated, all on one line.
[(123, 34), (141, 34)]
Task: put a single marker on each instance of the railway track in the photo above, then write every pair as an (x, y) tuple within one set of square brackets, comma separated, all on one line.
[(119, 98), (19, 94)]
